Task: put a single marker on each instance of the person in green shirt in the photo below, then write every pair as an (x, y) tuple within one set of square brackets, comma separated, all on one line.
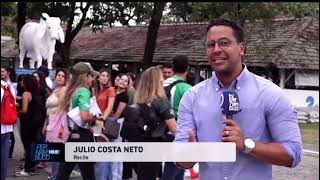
[(78, 94), (180, 69)]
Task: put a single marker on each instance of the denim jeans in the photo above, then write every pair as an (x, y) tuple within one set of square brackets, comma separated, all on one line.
[(117, 167), (103, 171), (5, 146), (54, 171), (110, 170), (172, 172)]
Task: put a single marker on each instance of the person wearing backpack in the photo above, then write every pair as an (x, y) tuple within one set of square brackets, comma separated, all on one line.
[(6, 77), (175, 88), (8, 109), (150, 101)]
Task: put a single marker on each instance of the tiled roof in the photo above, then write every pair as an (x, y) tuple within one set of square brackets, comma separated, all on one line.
[(286, 43), (128, 43)]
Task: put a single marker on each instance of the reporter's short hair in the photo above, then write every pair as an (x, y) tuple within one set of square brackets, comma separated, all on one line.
[(237, 30)]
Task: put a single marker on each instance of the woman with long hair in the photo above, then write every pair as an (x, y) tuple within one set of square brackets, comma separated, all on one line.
[(129, 166), (78, 94), (121, 100), (30, 115), (122, 82), (45, 92), (52, 104), (105, 95), (150, 91)]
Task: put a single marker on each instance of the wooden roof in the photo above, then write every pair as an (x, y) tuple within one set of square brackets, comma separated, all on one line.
[(286, 43)]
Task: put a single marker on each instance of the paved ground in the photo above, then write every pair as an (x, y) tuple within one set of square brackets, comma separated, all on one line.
[(308, 169)]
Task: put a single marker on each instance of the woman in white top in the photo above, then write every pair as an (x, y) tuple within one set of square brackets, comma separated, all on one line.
[(52, 104)]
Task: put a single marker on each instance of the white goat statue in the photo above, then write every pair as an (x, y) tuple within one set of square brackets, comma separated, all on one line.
[(37, 40)]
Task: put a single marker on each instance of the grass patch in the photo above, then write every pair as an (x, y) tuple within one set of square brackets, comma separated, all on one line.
[(310, 133)]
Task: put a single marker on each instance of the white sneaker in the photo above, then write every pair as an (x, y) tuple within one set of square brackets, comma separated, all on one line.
[(21, 173), (75, 174)]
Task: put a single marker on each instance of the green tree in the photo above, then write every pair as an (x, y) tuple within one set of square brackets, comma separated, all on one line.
[(108, 13), (8, 15), (8, 8), (240, 11), (301, 9)]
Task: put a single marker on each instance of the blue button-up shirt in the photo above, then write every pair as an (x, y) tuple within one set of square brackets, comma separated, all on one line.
[(266, 116)]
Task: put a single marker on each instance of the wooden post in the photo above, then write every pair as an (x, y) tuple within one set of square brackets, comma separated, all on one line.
[(197, 73), (209, 73), (282, 75), (110, 66)]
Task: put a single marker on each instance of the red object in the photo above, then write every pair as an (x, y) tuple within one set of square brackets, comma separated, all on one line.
[(8, 107), (193, 174)]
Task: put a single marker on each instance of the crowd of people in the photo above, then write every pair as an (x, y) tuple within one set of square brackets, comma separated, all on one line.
[(190, 114), (39, 100)]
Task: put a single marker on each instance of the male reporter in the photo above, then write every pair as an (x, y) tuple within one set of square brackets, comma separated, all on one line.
[(266, 130)]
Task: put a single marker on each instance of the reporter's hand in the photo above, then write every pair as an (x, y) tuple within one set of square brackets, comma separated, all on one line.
[(233, 133), (192, 138)]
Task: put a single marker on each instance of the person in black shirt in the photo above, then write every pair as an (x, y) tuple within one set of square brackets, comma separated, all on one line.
[(120, 104)]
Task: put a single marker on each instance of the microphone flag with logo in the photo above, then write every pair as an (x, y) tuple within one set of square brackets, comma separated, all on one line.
[(230, 103)]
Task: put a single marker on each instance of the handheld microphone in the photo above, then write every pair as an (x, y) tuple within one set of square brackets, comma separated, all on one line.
[(230, 103)]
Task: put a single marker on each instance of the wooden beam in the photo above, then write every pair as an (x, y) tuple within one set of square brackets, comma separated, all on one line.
[(282, 75), (197, 73), (209, 73), (109, 66)]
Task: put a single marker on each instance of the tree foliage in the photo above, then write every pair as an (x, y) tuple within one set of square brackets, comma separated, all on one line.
[(54, 9), (108, 13), (239, 11), (8, 8), (301, 9)]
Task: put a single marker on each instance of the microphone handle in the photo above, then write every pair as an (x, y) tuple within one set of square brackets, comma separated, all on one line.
[(230, 116)]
